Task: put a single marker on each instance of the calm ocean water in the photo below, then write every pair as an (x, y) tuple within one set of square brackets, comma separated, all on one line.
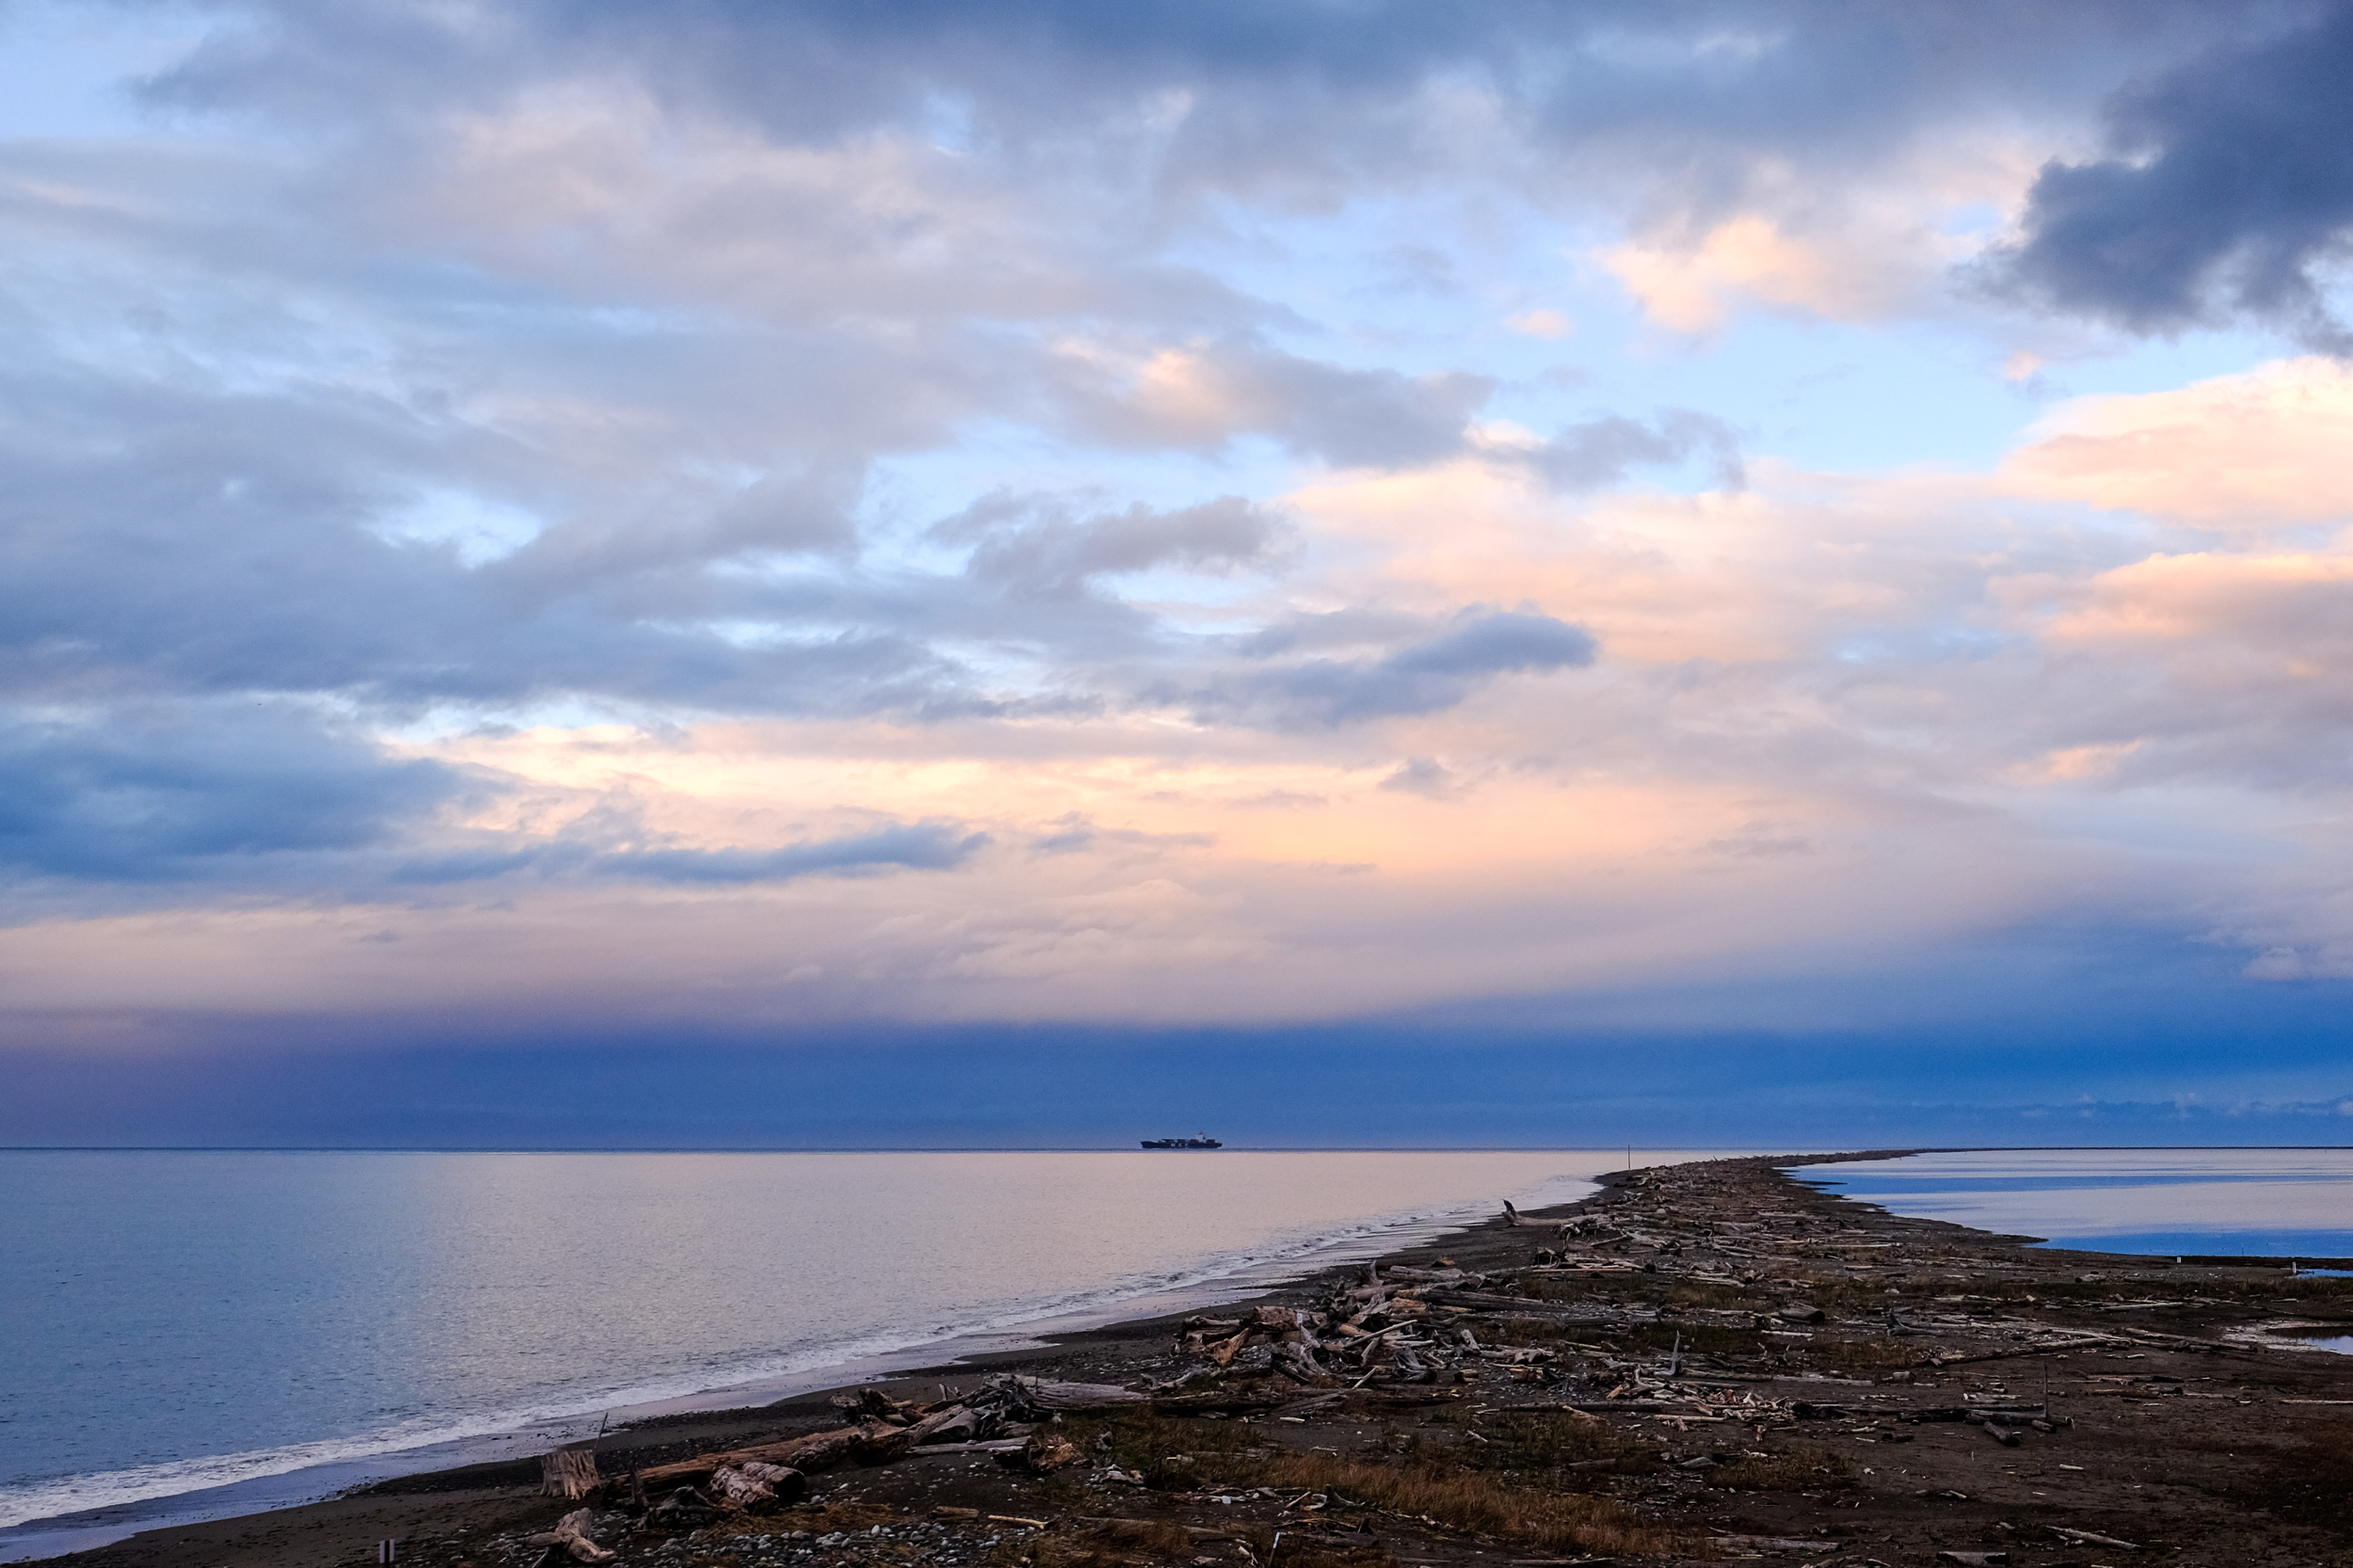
[(183, 1320), (2276, 1203)]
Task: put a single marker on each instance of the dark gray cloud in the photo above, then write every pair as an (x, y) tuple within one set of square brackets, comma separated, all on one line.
[(215, 793), (1034, 547), (921, 846), (1423, 677), (1751, 71), (244, 796), (2229, 189), (1600, 452)]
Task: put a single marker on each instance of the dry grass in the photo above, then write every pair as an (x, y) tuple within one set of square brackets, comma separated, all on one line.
[(1172, 1454), (1475, 1503), (1112, 1543), (1791, 1470), (1526, 1447)]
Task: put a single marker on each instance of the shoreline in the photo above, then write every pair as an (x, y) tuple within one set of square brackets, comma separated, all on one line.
[(1873, 1310), (312, 1481)]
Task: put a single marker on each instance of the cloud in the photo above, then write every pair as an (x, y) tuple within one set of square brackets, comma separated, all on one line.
[(1034, 546), (2243, 454), (919, 846), (2228, 193), (226, 794), (577, 489), (1424, 678), (1207, 395), (1599, 452)]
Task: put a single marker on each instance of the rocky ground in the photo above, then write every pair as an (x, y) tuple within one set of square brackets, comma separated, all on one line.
[(1702, 1363)]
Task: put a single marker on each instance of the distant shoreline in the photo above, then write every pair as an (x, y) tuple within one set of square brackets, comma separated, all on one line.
[(2169, 1344), (309, 1484)]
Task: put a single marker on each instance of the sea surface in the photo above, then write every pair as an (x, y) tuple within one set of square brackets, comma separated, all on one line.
[(196, 1334), (2267, 1203)]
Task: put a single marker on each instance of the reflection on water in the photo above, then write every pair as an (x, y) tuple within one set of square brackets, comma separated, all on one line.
[(2272, 1203), (182, 1319)]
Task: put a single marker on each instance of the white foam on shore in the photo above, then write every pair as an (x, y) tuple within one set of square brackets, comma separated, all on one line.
[(64, 1504)]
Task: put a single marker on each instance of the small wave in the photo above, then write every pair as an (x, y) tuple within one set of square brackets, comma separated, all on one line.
[(559, 1418)]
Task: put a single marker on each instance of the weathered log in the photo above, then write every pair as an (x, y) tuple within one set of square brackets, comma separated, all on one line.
[(879, 1443), (1048, 1394), (571, 1535), (739, 1491), (814, 1452), (994, 1446), (955, 1423), (789, 1484), (570, 1472)]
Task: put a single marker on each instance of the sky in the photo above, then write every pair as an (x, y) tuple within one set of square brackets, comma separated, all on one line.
[(823, 573)]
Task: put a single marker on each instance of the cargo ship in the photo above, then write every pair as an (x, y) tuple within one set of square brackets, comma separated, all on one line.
[(1193, 1143)]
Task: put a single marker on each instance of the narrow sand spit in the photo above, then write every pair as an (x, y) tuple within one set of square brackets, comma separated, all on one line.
[(1702, 1363)]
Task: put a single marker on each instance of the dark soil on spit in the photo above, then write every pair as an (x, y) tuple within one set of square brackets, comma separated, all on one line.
[(1765, 1373)]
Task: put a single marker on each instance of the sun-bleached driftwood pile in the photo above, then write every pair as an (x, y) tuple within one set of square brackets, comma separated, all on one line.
[(1410, 1335)]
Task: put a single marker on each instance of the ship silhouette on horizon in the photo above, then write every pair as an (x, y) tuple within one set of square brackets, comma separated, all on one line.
[(1197, 1141)]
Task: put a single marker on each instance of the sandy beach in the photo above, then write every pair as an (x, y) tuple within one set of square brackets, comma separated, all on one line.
[(1701, 1362)]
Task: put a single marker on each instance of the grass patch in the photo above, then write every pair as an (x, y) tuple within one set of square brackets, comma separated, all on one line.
[(1865, 1355), (1528, 1446), (1170, 1453), (1476, 1503), (1791, 1470)]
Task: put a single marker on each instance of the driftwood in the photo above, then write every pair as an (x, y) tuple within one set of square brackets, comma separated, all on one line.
[(755, 1487), (2085, 1537), (956, 1423), (571, 1535), (737, 1490), (814, 1452), (789, 1484), (570, 1472), (1043, 1452), (1048, 1394)]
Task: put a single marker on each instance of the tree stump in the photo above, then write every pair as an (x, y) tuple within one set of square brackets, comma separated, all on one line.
[(570, 1472)]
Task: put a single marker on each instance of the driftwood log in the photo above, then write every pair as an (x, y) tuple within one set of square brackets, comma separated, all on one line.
[(814, 1452), (754, 1487), (1048, 1394), (570, 1537), (570, 1472)]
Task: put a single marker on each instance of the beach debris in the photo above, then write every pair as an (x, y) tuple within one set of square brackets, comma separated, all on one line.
[(1046, 1396), (1043, 1453), (2085, 1537), (754, 1487), (571, 1536), (570, 1472)]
